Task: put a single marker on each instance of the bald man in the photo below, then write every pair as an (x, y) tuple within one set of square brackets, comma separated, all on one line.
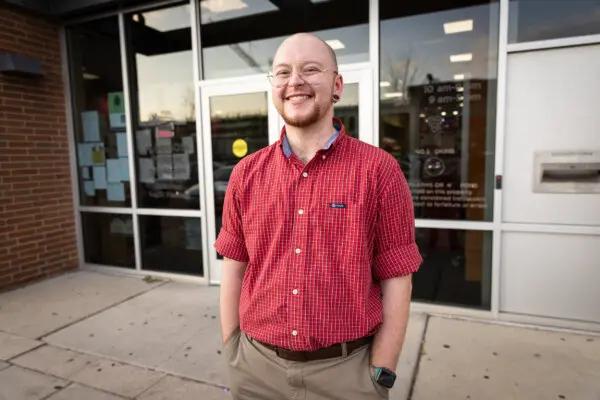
[(319, 248)]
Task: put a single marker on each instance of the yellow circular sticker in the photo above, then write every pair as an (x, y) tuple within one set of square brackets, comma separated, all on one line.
[(240, 148)]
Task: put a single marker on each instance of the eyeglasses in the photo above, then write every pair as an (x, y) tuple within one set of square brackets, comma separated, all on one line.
[(309, 74)]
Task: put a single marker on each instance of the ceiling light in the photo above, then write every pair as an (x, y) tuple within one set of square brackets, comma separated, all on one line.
[(455, 113), (219, 6), (460, 89), (335, 44), (461, 57), (393, 94), (459, 77), (443, 113), (458, 26), (87, 75), (384, 84)]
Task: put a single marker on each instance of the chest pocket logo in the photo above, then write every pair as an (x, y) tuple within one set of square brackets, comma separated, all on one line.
[(337, 205)]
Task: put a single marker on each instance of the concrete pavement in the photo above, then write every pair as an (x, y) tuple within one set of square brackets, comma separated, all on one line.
[(96, 336)]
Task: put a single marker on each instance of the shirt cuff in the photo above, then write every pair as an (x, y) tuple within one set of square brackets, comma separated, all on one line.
[(397, 261), (232, 247)]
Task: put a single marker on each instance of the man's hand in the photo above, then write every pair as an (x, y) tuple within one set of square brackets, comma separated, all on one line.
[(231, 288), (390, 338)]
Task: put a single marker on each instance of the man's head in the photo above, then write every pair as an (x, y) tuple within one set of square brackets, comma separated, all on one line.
[(305, 80)]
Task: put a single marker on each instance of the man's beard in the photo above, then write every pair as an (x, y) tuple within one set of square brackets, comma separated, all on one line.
[(302, 122)]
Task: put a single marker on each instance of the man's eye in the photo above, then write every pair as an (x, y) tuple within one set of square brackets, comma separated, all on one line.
[(282, 74), (311, 70)]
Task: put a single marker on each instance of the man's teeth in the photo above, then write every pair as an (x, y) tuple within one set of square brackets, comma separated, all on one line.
[(298, 97)]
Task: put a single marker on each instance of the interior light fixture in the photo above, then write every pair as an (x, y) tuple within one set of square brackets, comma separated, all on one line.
[(459, 77), (393, 94), (455, 112), (87, 75), (458, 26), (220, 6), (384, 84), (335, 44), (461, 57)]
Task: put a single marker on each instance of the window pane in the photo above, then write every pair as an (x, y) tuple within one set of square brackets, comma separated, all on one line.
[(456, 267), (438, 105), (171, 244), (240, 37), (347, 109), (164, 114), (108, 239), (99, 113), (531, 20), (239, 127)]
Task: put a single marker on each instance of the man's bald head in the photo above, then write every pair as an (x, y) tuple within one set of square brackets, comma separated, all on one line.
[(307, 41)]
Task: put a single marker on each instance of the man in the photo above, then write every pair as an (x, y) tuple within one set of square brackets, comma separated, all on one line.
[(318, 240)]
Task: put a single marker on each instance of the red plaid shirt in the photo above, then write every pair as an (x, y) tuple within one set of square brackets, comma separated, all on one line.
[(317, 239)]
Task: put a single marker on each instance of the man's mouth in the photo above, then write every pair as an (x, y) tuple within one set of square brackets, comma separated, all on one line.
[(298, 98)]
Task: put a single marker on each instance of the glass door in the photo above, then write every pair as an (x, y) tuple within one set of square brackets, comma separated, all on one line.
[(238, 118)]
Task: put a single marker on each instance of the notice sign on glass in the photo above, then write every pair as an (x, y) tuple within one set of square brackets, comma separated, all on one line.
[(116, 109)]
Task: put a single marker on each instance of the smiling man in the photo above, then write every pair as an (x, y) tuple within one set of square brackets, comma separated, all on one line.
[(319, 247)]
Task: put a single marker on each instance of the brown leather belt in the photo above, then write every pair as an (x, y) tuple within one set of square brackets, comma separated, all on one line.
[(337, 350)]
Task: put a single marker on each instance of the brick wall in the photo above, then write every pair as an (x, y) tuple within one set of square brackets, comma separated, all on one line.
[(37, 229)]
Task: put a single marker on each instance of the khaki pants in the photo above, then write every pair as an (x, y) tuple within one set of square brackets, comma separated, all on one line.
[(256, 373)]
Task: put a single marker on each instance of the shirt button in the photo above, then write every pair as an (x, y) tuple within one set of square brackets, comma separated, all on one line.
[(295, 333), (300, 212), (295, 291), (305, 174), (298, 251)]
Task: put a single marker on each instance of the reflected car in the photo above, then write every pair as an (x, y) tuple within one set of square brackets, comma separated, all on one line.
[(221, 179)]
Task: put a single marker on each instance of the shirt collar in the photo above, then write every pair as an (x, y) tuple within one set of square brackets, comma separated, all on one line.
[(339, 130)]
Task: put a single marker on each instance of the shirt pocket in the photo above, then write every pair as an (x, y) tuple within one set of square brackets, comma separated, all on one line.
[(342, 225)]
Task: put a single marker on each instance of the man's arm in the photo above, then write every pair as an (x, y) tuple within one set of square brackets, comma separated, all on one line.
[(388, 342), (231, 288)]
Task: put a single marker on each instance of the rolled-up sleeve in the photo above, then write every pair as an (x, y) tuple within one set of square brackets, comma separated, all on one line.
[(230, 242), (396, 252)]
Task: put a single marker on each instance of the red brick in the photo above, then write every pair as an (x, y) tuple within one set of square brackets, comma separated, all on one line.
[(37, 228)]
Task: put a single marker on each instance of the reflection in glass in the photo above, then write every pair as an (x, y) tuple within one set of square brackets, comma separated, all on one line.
[(531, 20), (99, 113), (347, 109), (108, 239), (240, 37), (437, 105), (171, 244), (456, 267), (163, 98), (239, 127)]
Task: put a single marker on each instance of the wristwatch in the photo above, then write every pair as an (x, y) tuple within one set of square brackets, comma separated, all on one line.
[(384, 377)]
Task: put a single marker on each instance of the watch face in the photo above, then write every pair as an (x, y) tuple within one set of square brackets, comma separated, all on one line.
[(386, 379)]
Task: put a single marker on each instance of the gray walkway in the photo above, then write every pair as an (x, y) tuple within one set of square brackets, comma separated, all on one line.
[(93, 336)]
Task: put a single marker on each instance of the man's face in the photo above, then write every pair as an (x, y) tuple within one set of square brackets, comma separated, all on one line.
[(304, 81)]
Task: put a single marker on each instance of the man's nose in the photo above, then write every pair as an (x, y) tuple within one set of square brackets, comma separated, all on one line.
[(295, 79)]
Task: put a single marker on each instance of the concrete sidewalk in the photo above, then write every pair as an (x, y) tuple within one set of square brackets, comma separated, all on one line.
[(93, 336)]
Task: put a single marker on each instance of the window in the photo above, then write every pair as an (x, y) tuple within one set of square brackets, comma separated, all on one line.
[(456, 267), (163, 108), (108, 239), (171, 244), (240, 37), (438, 71), (531, 20), (99, 114)]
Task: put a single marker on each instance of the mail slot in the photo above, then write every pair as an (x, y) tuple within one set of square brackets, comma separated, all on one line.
[(567, 172)]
